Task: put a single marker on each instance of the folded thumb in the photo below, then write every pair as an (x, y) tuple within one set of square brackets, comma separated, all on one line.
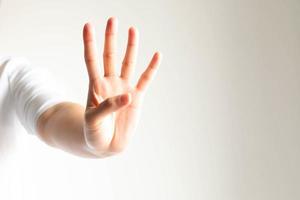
[(111, 104)]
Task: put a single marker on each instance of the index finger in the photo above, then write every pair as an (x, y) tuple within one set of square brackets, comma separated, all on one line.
[(90, 52)]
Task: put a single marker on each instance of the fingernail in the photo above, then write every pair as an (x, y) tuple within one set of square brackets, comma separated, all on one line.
[(124, 99)]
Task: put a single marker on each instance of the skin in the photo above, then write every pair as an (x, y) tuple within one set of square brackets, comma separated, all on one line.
[(105, 126)]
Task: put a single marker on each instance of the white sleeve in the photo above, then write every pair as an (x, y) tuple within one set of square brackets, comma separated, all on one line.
[(33, 91)]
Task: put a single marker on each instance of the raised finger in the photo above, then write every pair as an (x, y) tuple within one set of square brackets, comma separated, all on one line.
[(109, 54), (131, 54), (149, 73), (90, 52)]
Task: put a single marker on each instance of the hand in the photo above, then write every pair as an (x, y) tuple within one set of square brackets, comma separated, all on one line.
[(113, 103)]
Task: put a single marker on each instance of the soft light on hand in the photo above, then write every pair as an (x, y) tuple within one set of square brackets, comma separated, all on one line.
[(113, 103)]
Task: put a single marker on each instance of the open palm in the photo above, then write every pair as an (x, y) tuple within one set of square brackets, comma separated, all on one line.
[(113, 103)]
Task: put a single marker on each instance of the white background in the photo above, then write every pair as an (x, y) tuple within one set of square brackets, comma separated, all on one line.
[(222, 119)]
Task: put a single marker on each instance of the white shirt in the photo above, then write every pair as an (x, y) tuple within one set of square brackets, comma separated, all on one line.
[(29, 169), (25, 93)]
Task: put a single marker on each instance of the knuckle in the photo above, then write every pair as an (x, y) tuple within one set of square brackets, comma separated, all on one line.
[(109, 102), (132, 44), (146, 77), (110, 34), (128, 63), (109, 55), (89, 58)]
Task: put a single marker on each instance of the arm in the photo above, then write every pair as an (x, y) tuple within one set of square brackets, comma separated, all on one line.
[(61, 126), (110, 117)]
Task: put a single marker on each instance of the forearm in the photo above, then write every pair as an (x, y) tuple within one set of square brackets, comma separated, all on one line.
[(61, 126)]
